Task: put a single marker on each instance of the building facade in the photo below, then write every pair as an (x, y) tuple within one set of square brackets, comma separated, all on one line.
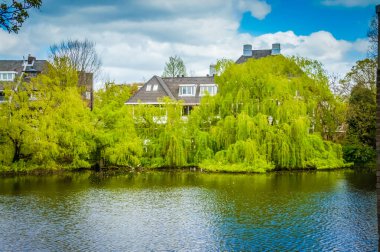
[(190, 90), (11, 70)]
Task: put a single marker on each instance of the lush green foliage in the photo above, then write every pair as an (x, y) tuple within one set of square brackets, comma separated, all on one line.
[(45, 123), (116, 141), (269, 113), (360, 141)]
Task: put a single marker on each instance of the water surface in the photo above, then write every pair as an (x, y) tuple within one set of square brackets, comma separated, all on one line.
[(189, 211)]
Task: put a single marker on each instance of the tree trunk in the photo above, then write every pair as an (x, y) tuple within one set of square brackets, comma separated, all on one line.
[(17, 153)]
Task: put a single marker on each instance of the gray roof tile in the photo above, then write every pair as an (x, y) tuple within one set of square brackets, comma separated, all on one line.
[(17, 66), (169, 87)]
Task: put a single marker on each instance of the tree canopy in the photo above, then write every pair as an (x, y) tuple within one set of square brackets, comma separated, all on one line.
[(46, 124), (81, 55), (13, 14), (174, 67), (360, 142), (372, 35), (269, 113)]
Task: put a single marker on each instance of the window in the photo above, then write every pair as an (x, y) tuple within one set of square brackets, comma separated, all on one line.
[(148, 88), (7, 76), (187, 90), (155, 87), (211, 89), (186, 110)]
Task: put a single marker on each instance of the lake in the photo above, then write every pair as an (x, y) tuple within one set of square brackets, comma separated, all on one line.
[(189, 211)]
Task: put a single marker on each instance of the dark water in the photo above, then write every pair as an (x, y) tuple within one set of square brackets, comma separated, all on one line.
[(184, 211)]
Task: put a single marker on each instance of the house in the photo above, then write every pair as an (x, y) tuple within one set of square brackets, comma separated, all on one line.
[(188, 89), (86, 81), (26, 69), (248, 53), (10, 70)]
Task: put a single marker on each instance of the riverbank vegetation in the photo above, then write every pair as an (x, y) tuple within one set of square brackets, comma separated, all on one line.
[(271, 113), (359, 145)]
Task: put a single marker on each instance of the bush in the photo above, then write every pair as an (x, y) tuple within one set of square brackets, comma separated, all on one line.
[(359, 154)]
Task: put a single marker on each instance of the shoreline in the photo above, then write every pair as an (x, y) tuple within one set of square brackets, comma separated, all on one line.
[(123, 170)]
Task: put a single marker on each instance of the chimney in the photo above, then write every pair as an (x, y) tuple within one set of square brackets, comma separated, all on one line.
[(247, 50), (31, 59), (276, 49), (212, 71)]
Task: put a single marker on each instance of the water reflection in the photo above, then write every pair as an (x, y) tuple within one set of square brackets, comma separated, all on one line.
[(321, 211)]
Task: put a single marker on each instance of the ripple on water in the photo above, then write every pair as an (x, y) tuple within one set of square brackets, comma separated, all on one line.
[(187, 212)]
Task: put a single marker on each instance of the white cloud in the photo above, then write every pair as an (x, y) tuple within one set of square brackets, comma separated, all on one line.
[(361, 45), (334, 54), (258, 9), (134, 48), (321, 46), (349, 3)]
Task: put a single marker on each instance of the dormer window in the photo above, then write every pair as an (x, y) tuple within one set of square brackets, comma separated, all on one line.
[(155, 87), (187, 90), (7, 76), (210, 89), (148, 88)]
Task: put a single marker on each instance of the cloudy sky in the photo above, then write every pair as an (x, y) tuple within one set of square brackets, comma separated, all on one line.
[(135, 38)]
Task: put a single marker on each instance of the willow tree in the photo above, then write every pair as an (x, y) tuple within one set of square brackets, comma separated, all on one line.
[(117, 143), (163, 133), (271, 113), (19, 120), (45, 123)]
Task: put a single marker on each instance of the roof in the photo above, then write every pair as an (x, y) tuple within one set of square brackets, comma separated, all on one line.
[(38, 66), (256, 54), (17, 66), (169, 87)]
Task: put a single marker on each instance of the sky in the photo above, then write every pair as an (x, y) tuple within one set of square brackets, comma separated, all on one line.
[(134, 38)]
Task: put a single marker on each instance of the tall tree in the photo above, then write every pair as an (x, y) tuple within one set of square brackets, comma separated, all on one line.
[(115, 136), (266, 112), (360, 142), (81, 54), (363, 74), (175, 67), (13, 14), (373, 37), (46, 124)]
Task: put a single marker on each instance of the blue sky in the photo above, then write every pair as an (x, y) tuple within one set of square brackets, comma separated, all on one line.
[(304, 17), (135, 38)]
